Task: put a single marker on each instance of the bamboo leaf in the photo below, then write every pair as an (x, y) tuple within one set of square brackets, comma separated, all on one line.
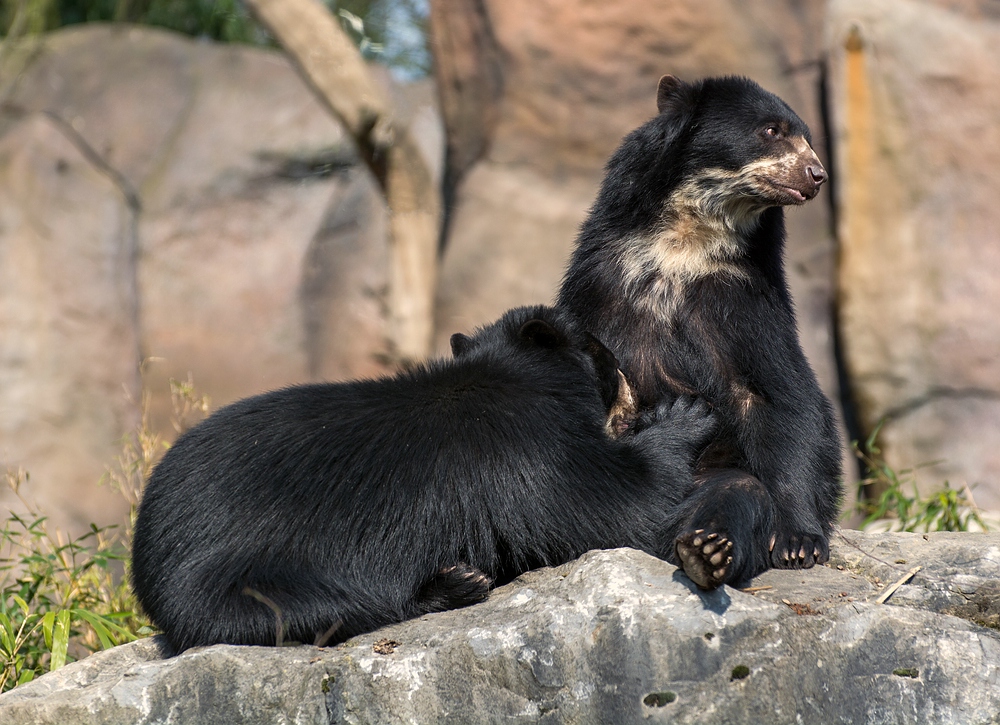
[(22, 605), (60, 640), (105, 628), (48, 624), (7, 633)]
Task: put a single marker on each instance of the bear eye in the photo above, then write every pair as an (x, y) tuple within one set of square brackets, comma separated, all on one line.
[(773, 131)]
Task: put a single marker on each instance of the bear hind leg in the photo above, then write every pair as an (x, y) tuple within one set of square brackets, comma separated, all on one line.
[(705, 556), (720, 529)]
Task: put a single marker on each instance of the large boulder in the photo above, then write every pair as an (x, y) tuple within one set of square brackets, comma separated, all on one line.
[(69, 343), (914, 117), (184, 203), (614, 637)]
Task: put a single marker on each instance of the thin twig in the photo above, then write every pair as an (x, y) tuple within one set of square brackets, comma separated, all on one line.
[(929, 577), (891, 589)]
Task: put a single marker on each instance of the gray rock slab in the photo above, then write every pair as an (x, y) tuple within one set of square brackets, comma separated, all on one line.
[(954, 566), (613, 637)]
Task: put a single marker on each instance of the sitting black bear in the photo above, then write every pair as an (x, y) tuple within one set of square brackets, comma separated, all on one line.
[(679, 270), (328, 510)]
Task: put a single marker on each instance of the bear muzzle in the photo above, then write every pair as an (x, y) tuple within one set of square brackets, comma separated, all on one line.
[(807, 173), (793, 178)]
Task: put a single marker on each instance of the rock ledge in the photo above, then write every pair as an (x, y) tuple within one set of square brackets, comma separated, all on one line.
[(614, 637)]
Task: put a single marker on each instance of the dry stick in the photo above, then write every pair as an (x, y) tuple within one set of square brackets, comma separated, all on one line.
[(322, 639), (897, 584), (929, 577)]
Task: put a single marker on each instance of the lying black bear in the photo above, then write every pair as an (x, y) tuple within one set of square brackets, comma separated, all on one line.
[(345, 507), (679, 270)]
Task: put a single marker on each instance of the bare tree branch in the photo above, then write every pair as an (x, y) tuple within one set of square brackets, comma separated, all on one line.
[(331, 65)]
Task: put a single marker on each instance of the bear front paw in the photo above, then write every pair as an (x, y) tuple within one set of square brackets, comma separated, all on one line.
[(689, 420), (797, 550)]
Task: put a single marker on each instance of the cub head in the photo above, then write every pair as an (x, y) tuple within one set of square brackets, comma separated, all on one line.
[(737, 144), (554, 337)]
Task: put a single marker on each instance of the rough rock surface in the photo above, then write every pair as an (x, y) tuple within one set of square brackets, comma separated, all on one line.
[(614, 637), (68, 342), (914, 110), (207, 219), (511, 236)]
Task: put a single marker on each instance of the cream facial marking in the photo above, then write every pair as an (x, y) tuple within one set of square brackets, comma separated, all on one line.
[(792, 178), (700, 234), (706, 219)]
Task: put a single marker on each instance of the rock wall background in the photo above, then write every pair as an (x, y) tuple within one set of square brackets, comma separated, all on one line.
[(192, 205), (915, 111), (182, 203)]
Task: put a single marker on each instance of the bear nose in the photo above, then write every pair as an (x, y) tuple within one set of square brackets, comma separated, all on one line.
[(817, 173)]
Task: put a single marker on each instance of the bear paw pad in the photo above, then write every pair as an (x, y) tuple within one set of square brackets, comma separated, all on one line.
[(705, 557)]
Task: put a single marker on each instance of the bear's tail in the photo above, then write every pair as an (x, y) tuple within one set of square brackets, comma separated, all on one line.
[(280, 608)]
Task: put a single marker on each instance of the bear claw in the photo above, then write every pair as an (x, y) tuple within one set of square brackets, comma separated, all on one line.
[(798, 551)]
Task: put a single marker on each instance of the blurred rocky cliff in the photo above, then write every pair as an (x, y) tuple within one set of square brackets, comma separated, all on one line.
[(182, 203), (193, 205)]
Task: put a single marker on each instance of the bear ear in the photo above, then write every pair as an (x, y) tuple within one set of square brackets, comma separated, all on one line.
[(543, 334), (460, 344), (606, 365), (668, 93)]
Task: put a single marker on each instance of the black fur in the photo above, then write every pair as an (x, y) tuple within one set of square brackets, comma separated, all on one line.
[(679, 270), (345, 507)]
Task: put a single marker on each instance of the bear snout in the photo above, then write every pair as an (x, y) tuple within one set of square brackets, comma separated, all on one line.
[(813, 175), (817, 173)]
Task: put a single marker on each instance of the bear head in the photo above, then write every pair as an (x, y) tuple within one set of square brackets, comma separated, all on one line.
[(752, 139), (720, 152), (550, 336)]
